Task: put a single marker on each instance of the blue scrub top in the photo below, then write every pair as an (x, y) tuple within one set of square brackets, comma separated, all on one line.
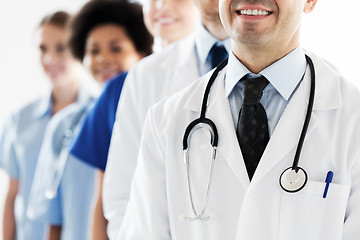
[(72, 206), (93, 141), (20, 145)]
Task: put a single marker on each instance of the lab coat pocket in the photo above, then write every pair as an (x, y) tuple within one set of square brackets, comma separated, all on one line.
[(307, 215)]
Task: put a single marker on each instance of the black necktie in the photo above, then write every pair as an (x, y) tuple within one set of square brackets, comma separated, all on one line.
[(252, 129), (217, 54)]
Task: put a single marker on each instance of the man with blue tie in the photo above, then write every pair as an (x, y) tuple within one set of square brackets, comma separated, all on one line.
[(151, 80)]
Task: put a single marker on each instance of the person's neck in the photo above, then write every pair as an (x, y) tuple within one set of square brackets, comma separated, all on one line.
[(164, 42), (257, 59), (215, 28), (64, 95)]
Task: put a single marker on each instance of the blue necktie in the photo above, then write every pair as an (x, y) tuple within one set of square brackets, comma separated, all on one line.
[(217, 54)]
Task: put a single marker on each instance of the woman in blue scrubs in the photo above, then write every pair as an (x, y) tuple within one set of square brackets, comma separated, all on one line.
[(109, 37), (24, 131)]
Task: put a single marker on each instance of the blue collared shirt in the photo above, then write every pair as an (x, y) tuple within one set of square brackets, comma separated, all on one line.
[(284, 77), (20, 145), (71, 207), (203, 43)]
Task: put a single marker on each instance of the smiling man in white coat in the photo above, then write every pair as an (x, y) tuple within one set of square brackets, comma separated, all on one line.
[(151, 80), (171, 199)]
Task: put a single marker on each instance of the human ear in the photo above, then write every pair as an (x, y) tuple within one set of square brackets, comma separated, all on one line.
[(309, 6)]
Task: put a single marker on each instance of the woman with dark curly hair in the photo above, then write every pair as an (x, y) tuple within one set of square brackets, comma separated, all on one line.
[(109, 37), (168, 21)]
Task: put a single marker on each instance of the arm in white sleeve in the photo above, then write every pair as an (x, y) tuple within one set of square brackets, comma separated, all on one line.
[(123, 152), (146, 216)]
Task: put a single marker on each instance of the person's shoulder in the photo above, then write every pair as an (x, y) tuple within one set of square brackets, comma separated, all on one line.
[(175, 112), (337, 84), (32, 108), (328, 68), (113, 86), (116, 81), (193, 92), (31, 105), (175, 49), (25, 114)]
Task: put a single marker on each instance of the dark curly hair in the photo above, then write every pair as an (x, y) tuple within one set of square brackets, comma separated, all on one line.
[(121, 12)]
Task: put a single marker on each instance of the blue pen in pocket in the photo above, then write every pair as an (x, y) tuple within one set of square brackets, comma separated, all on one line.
[(328, 180)]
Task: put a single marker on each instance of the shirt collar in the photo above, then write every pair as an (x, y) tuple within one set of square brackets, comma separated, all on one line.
[(85, 95), (204, 42), (284, 75), (45, 106)]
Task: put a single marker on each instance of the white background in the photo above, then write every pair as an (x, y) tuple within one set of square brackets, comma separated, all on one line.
[(332, 31)]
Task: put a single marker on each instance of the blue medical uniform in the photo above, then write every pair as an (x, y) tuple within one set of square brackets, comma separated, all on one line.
[(20, 145), (72, 206), (92, 144)]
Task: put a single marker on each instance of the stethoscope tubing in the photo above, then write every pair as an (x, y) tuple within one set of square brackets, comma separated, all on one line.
[(202, 118), (209, 85), (295, 165)]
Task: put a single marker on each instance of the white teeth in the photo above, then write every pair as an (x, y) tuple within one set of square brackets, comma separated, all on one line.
[(254, 12), (165, 20)]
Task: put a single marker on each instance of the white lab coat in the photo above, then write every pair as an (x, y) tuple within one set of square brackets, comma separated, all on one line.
[(241, 210), (151, 80)]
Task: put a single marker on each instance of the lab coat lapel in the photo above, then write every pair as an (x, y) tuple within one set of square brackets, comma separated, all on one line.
[(286, 135), (218, 110), (287, 132)]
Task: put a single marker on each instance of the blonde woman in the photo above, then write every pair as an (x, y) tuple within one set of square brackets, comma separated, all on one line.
[(24, 131)]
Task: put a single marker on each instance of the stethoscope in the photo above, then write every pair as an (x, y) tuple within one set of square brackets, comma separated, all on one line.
[(57, 168), (292, 179)]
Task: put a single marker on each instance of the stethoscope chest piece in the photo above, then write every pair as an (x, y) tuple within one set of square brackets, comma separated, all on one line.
[(292, 181)]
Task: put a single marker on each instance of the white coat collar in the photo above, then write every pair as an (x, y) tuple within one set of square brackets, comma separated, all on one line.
[(327, 90), (179, 53)]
